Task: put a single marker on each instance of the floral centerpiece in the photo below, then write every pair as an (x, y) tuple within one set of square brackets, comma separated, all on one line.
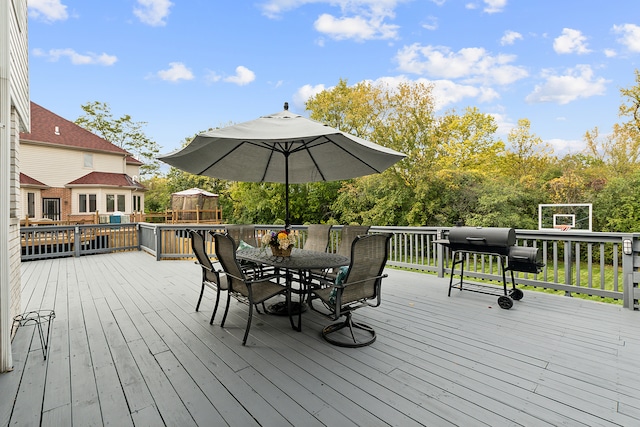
[(281, 242)]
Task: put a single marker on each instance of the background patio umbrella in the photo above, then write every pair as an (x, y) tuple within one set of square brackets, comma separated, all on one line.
[(283, 147)]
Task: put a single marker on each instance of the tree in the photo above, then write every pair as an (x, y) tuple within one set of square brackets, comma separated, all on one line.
[(398, 117), (527, 156), (123, 132), (468, 142)]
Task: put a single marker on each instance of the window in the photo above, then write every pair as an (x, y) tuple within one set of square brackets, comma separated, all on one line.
[(88, 160), (111, 202), (31, 205), (137, 200), (121, 207), (82, 203)]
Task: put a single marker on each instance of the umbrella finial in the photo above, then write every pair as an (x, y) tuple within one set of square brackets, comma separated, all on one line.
[(286, 106)]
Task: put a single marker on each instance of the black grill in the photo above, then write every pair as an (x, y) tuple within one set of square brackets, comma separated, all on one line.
[(492, 241)]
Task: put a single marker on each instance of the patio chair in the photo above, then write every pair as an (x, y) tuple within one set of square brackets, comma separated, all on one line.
[(347, 236), (317, 237), (359, 288), (242, 232), (242, 287), (210, 276)]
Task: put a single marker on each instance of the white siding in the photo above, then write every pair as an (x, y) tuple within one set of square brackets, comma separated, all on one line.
[(56, 167), (19, 62)]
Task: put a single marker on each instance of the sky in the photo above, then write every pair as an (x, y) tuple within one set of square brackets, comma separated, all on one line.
[(183, 67)]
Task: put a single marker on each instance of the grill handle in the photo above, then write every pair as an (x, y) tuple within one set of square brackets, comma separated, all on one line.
[(476, 239)]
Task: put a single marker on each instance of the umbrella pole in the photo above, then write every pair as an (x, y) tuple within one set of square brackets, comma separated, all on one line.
[(287, 221)]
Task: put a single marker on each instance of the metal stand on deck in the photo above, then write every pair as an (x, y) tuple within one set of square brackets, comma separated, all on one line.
[(37, 317), (507, 296)]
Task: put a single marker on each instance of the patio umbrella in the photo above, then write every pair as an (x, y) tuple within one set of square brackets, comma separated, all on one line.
[(283, 147)]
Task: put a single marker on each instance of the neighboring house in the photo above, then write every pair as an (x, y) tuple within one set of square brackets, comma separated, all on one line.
[(14, 118), (71, 174)]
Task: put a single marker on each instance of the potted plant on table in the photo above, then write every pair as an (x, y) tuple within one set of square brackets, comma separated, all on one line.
[(281, 242)]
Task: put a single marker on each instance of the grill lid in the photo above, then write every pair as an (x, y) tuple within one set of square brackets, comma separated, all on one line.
[(479, 239)]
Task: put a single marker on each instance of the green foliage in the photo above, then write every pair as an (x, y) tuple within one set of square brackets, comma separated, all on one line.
[(457, 168), (123, 132)]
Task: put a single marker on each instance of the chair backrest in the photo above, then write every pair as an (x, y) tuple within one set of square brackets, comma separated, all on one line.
[(226, 253), (369, 255), (348, 235), (199, 249), (244, 232), (317, 237), (209, 273)]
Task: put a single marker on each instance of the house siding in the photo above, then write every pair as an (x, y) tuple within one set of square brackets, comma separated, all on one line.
[(58, 166), (19, 62), (14, 226), (14, 117)]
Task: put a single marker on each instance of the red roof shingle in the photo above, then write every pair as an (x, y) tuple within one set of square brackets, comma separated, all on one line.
[(48, 127), (27, 181), (106, 179)]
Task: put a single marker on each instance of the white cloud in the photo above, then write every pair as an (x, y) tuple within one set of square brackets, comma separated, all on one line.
[(473, 65), (177, 71), (610, 53), (359, 20), (445, 92), (47, 10), (571, 41), (578, 82), (630, 36), (491, 6), (76, 58), (212, 77), (304, 93), (510, 37), (431, 23), (504, 124), (242, 77), (357, 28), (565, 146), (494, 6), (153, 12)]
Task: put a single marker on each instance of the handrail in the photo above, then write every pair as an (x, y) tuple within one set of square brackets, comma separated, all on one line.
[(598, 264)]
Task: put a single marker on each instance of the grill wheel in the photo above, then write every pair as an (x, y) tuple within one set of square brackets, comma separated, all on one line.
[(505, 302)]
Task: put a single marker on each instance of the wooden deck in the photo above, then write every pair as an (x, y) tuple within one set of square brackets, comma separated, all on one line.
[(127, 348)]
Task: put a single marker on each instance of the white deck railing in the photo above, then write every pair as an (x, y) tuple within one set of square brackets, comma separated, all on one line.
[(575, 262)]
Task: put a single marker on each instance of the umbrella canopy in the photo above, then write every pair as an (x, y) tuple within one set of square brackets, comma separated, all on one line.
[(282, 147)]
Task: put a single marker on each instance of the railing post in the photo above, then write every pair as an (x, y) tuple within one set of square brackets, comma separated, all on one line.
[(568, 266), (440, 253), (629, 245), (77, 241), (157, 232)]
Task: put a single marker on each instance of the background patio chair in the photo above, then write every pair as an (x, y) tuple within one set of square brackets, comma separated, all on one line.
[(245, 289), (347, 236), (242, 232), (210, 276), (359, 288), (317, 237)]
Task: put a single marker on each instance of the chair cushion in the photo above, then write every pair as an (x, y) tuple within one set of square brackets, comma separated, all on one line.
[(341, 274), (243, 245)]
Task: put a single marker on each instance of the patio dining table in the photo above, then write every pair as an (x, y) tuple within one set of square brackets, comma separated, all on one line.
[(300, 261)]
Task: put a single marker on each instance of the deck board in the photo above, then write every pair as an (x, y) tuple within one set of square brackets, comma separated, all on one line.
[(128, 348)]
